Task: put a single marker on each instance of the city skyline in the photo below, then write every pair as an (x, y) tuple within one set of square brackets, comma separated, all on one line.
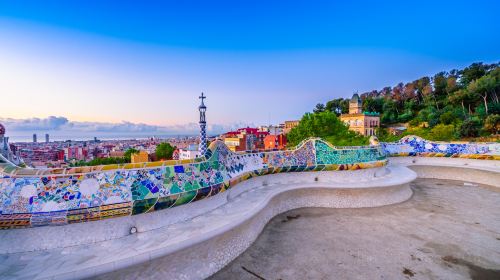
[(95, 68)]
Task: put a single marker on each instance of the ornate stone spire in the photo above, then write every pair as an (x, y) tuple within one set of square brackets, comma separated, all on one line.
[(203, 126)]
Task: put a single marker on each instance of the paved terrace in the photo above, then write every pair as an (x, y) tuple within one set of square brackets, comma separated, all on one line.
[(447, 230)]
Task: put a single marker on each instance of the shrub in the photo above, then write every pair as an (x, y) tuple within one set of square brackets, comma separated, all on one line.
[(442, 132), (492, 124), (469, 128)]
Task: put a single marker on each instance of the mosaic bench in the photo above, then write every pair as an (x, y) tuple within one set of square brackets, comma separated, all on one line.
[(417, 146), (41, 197)]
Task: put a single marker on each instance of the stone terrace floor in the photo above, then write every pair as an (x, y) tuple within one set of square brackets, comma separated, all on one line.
[(447, 230)]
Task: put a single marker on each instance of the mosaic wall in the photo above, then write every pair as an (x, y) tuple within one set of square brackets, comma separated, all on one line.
[(32, 197), (417, 146)]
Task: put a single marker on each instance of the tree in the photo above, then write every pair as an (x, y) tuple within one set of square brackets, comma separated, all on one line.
[(338, 106), (389, 111), (128, 154), (447, 117), (451, 84), (320, 107), (164, 151), (371, 104), (482, 87), (460, 97), (327, 126), (492, 124), (469, 128), (440, 83), (472, 73)]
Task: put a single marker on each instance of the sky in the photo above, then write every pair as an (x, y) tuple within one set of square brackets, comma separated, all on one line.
[(137, 67)]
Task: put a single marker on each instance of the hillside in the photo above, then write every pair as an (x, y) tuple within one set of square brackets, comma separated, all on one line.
[(458, 104)]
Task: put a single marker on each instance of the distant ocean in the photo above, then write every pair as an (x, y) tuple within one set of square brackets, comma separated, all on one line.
[(18, 137)]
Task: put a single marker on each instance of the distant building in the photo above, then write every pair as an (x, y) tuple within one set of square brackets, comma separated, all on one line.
[(272, 129), (244, 139), (288, 125), (275, 142), (116, 153), (34, 138), (47, 138), (190, 152), (361, 122), (141, 156), (233, 143), (74, 152)]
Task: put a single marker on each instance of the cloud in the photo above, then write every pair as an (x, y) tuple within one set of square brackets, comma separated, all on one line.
[(54, 123), (50, 123)]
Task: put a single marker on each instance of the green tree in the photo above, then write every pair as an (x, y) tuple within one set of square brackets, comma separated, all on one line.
[(327, 126), (164, 151), (389, 111), (447, 117), (492, 124), (469, 128), (320, 107), (440, 83), (472, 73), (128, 153), (371, 104)]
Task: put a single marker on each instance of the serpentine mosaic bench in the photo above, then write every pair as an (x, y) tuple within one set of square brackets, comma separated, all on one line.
[(39, 197), (417, 146), (34, 197)]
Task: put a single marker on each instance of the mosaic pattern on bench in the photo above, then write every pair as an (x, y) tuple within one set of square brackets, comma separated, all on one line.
[(417, 146), (63, 196)]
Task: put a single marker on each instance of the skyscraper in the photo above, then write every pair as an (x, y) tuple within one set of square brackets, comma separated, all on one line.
[(203, 126), (34, 137), (46, 138)]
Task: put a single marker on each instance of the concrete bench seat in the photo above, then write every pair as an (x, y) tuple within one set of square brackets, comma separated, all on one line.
[(468, 170), (199, 244)]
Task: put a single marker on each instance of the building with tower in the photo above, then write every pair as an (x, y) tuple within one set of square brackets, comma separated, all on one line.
[(203, 126), (364, 123)]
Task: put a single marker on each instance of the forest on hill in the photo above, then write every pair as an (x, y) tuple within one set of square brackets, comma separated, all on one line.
[(458, 104)]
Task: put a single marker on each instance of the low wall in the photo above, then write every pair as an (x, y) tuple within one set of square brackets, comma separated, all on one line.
[(417, 146), (200, 246), (40, 197), (467, 170)]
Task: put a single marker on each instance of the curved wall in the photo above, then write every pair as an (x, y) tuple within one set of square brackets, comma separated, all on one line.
[(200, 245), (417, 146), (34, 197), (468, 170)]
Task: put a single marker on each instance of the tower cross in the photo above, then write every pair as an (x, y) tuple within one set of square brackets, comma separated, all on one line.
[(202, 97)]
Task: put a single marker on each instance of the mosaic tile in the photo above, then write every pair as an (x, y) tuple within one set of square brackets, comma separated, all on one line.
[(130, 189), (417, 146)]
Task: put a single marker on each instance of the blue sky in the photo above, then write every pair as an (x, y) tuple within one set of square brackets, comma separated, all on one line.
[(143, 65)]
